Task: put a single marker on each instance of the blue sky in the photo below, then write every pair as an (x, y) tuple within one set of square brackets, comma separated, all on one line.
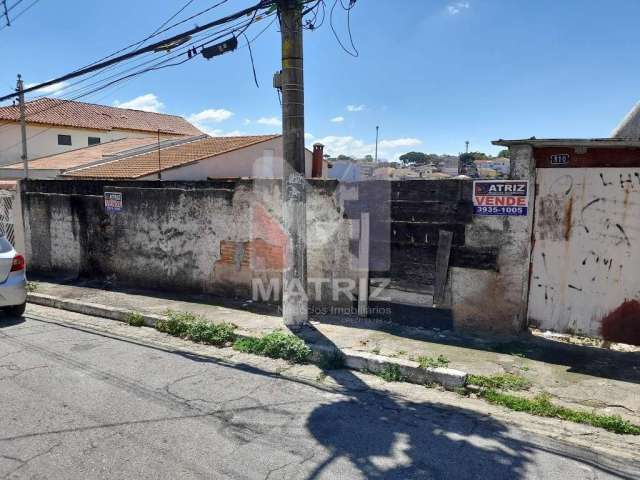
[(431, 73)]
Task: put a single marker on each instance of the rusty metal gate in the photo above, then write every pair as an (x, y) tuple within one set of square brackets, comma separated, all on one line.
[(7, 221), (585, 275)]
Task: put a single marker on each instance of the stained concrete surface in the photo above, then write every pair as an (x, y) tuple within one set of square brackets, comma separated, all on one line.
[(82, 402)]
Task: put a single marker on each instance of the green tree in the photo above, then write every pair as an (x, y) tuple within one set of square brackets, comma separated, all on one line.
[(414, 157), (504, 153)]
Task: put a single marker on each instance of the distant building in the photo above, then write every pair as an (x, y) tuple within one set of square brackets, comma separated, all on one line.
[(56, 126), (192, 158)]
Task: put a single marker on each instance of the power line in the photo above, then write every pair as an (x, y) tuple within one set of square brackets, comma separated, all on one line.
[(164, 63), (14, 5), (157, 32), (149, 48), (19, 14), (239, 27), (159, 64)]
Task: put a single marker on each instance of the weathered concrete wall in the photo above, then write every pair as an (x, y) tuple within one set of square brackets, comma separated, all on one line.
[(217, 237), (212, 237), (496, 299)]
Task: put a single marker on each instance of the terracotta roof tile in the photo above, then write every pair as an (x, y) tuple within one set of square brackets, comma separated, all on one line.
[(145, 164), (83, 156), (67, 113)]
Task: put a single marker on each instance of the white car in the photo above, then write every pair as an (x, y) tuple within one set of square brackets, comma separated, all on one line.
[(13, 280)]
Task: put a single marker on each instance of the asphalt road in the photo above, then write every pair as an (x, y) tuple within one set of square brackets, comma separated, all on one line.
[(77, 404)]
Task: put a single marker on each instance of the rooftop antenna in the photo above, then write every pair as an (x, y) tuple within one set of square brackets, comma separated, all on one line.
[(377, 131)]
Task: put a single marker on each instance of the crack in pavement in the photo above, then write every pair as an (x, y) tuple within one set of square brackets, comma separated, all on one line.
[(24, 463)]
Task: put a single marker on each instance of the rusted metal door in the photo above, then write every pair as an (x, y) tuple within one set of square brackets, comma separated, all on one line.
[(586, 252)]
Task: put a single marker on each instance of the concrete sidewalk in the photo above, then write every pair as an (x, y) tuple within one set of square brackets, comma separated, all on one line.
[(578, 376)]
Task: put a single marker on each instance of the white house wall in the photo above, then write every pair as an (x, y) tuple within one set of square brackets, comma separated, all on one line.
[(42, 140), (263, 160)]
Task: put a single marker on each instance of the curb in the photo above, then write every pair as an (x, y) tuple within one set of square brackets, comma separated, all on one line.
[(353, 359)]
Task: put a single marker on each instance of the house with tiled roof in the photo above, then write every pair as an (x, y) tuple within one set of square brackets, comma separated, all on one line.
[(56, 126), (52, 166), (192, 159)]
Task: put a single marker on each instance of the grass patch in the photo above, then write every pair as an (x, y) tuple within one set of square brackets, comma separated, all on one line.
[(391, 373), (504, 381), (195, 328), (32, 287), (543, 407), (430, 362), (275, 345), (135, 319)]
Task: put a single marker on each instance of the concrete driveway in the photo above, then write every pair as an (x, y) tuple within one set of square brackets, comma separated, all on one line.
[(77, 403)]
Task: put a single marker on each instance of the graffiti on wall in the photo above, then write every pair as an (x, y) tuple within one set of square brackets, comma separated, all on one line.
[(585, 275)]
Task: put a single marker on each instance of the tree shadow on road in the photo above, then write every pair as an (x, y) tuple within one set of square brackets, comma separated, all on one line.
[(388, 437)]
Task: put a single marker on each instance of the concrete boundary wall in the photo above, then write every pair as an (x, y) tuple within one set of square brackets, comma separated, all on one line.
[(220, 236)]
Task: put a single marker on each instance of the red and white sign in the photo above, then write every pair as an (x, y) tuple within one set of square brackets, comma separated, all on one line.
[(501, 197)]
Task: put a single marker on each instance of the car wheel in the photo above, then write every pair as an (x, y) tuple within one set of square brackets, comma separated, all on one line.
[(16, 310)]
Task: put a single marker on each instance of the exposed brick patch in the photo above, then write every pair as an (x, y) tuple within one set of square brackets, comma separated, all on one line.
[(255, 255)]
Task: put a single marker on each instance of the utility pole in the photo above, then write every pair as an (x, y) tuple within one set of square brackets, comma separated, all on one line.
[(23, 126), (377, 131), (294, 209)]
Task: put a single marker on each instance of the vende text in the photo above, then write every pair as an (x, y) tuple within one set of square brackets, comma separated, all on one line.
[(501, 201)]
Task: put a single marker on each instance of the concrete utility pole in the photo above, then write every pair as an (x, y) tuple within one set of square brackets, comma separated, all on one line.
[(294, 208), (377, 132), (23, 126)]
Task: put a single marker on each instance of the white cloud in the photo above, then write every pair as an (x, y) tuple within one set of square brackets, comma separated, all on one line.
[(270, 121), (55, 89), (206, 120), (337, 119), (210, 115), (246, 121), (308, 136), (354, 147), (457, 7), (355, 108), (218, 132), (148, 103), (399, 142)]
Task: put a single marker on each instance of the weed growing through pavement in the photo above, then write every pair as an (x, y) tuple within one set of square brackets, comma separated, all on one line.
[(196, 328), (32, 287), (275, 345), (391, 373), (430, 362), (135, 319), (543, 407), (504, 381)]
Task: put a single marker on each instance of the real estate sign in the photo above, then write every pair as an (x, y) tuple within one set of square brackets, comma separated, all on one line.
[(501, 197), (113, 201)]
